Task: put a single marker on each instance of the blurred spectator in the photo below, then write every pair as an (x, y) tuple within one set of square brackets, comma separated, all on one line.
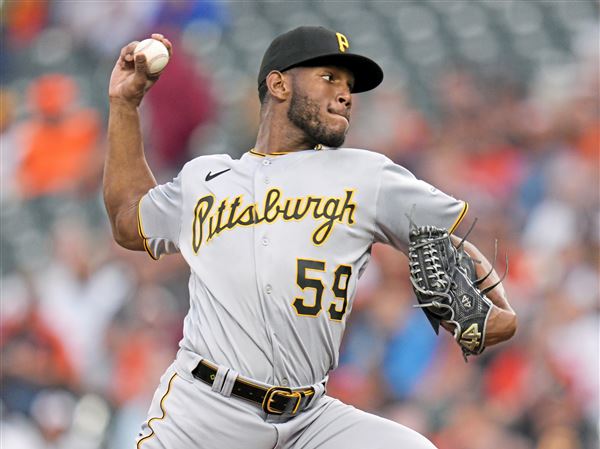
[(20, 432), (392, 338), (177, 14), (385, 120), (24, 20), (103, 28), (177, 107), (471, 427), (59, 140), (79, 294), (183, 102), (9, 145), (53, 412), (33, 355), (142, 339)]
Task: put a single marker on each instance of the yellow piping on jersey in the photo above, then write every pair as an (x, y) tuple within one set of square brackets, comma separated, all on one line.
[(163, 410), (141, 230), (460, 217), (280, 153)]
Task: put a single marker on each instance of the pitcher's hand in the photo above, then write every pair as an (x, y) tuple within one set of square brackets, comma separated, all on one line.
[(130, 80)]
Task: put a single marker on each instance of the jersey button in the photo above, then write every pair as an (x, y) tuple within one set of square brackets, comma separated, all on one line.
[(285, 382), (267, 180), (266, 162), (265, 241), (268, 289)]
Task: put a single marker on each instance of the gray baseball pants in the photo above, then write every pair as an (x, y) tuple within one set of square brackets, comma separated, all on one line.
[(187, 414)]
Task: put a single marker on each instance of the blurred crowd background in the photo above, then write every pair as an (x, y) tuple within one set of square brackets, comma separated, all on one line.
[(495, 102)]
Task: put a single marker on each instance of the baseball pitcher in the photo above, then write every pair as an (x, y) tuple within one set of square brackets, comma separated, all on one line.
[(276, 242)]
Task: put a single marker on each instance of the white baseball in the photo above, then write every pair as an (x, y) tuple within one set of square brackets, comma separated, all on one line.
[(157, 55)]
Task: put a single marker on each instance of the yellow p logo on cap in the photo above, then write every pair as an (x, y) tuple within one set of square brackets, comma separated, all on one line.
[(342, 42)]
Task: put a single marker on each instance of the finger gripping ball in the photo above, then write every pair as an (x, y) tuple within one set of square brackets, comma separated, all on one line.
[(157, 55)]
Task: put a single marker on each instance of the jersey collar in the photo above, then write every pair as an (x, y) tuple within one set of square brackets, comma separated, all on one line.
[(282, 153)]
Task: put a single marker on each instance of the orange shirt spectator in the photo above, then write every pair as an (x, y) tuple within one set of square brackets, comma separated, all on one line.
[(59, 141), (588, 141)]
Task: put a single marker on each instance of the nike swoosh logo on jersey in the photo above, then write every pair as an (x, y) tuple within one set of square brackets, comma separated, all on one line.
[(211, 176)]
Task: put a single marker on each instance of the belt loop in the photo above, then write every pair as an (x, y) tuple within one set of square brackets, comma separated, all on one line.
[(230, 378), (219, 378), (319, 391)]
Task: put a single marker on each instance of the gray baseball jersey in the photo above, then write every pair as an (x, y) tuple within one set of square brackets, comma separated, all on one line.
[(276, 244)]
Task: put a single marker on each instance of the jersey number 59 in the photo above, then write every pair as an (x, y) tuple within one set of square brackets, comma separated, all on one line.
[(337, 308)]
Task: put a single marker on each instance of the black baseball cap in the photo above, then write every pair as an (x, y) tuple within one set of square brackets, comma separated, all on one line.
[(314, 45)]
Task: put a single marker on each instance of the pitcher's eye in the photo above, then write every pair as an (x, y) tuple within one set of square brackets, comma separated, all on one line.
[(328, 77)]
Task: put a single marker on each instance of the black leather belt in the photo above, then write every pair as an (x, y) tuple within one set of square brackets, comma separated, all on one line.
[(273, 400)]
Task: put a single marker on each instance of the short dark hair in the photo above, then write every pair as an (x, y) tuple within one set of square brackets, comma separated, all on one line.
[(262, 92)]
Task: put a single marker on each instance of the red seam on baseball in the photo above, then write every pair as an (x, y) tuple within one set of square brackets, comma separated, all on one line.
[(156, 58)]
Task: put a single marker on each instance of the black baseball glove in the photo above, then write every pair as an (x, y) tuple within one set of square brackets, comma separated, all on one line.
[(446, 285)]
